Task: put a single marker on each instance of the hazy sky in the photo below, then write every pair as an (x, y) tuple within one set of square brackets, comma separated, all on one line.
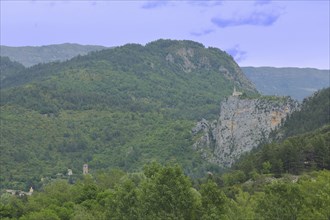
[(256, 33)]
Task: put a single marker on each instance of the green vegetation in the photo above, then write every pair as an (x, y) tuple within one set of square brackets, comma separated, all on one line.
[(164, 192), (300, 145), (47, 145), (120, 107), (298, 83), (29, 56), (315, 113), (9, 68), (295, 155), (132, 78)]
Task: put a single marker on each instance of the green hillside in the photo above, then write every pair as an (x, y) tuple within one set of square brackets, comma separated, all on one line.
[(134, 78), (9, 68), (296, 155), (301, 144), (120, 107), (29, 56), (298, 83), (315, 113)]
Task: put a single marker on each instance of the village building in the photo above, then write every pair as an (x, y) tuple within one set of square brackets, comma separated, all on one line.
[(85, 169)]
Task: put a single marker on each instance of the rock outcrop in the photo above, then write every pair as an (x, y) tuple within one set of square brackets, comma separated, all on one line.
[(243, 124)]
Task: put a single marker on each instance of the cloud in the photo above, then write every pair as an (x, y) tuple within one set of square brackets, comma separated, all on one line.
[(238, 54), (203, 32), (162, 3), (262, 2), (205, 3), (155, 4), (257, 18)]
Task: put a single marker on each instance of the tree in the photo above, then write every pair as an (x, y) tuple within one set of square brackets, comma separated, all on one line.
[(316, 192), (123, 202), (166, 193), (266, 166), (280, 201), (213, 201), (45, 214)]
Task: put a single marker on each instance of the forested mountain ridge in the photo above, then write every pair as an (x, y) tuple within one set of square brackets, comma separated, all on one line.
[(120, 107), (180, 72), (29, 56), (299, 83)]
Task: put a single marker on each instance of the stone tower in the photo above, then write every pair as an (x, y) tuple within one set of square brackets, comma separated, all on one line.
[(236, 93), (85, 169)]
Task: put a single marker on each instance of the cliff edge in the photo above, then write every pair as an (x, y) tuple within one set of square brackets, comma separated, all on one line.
[(243, 124)]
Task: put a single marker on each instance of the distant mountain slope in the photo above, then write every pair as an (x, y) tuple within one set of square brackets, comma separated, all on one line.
[(298, 83), (119, 107), (29, 56)]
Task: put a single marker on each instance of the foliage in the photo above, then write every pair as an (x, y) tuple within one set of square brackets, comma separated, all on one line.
[(308, 150), (49, 145), (131, 78), (120, 107), (295, 155), (315, 113), (164, 192)]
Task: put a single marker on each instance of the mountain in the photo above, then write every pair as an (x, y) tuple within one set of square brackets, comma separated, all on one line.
[(298, 83), (119, 107), (180, 77), (29, 56)]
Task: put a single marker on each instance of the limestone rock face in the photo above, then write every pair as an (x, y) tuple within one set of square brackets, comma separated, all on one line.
[(243, 124)]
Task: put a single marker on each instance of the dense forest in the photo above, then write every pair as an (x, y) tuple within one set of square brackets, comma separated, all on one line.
[(164, 192), (121, 107), (287, 179), (315, 113), (128, 112)]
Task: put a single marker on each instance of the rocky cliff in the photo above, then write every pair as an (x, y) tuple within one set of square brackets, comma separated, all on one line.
[(243, 124)]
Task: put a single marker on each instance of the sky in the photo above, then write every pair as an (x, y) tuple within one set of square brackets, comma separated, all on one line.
[(256, 33)]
